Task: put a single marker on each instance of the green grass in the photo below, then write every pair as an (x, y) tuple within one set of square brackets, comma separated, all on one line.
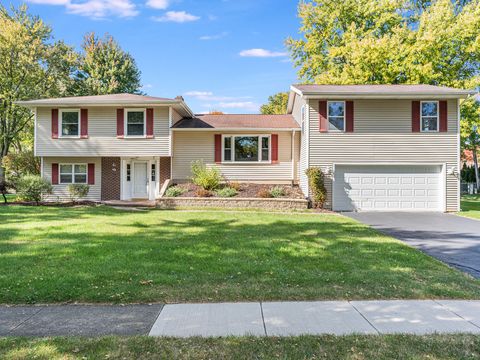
[(100, 254), (399, 347), (471, 206)]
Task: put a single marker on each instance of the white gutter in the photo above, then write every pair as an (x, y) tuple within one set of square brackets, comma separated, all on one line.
[(235, 129)]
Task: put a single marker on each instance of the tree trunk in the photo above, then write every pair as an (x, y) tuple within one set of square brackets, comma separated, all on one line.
[(475, 165), (2, 171)]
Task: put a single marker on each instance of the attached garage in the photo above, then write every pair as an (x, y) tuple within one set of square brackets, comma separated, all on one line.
[(388, 188)]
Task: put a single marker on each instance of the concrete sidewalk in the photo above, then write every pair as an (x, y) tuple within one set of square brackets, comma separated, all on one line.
[(239, 319)]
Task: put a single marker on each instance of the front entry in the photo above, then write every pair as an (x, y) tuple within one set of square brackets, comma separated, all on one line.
[(140, 180)]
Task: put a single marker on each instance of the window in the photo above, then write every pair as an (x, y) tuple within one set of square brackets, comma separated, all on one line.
[(154, 172), (73, 173), (429, 116), (129, 171), (135, 122), (336, 115), (70, 120), (246, 148)]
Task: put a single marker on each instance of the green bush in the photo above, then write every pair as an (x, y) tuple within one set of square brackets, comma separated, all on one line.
[(277, 191), (174, 191), (226, 192), (77, 191), (207, 178), (316, 181), (32, 188), (21, 163)]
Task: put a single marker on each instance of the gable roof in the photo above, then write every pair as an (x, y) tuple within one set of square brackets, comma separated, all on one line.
[(238, 121)]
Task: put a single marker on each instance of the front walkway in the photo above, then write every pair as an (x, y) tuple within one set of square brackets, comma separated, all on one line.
[(259, 319)]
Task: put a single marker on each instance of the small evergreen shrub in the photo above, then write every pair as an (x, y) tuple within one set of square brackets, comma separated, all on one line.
[(174, 191), (226, 192), (78, 191), (207, 178), (316, 181), (203, 193), (32, 188), (277, 191)]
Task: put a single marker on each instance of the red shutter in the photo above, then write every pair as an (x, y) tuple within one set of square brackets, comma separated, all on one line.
[(415, 116), (54, 123), (349, 116), (54, 174), (322, 111), (149, 123), (84, 123), (218, 148), (91, 174), (443, 116), (120, 123), (274, 148)]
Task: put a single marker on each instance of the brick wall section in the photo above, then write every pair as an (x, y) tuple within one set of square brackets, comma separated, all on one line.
[(110, 178), (164, 169)]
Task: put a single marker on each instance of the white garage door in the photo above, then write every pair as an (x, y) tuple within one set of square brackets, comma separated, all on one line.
[(388, 188)]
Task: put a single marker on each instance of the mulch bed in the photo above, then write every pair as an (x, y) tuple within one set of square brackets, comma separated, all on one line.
[(247, 190)]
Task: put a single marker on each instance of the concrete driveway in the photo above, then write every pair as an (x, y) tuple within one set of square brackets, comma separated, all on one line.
[(452, 239)]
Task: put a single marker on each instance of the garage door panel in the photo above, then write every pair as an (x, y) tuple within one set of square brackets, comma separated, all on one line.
[(389, 187)]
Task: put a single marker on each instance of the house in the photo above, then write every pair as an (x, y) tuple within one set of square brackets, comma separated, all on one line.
[(381, 147)]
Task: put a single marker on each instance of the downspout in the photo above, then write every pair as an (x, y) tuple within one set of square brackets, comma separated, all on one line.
[(293, 156)]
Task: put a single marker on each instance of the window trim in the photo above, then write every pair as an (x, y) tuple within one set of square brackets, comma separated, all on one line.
[(125, 122), (259, 136), (344, 116), (60, 114), (438, 116), (60, 182)]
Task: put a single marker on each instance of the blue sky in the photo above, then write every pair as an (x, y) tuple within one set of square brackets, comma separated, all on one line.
[(226, 55)]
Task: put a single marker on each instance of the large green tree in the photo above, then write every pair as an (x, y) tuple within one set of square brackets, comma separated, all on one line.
[(388, 42), (277, 104), (104, 68), (470, 131), (32, 65)]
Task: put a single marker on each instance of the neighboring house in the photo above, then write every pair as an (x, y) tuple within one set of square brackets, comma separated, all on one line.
[(382, 147)]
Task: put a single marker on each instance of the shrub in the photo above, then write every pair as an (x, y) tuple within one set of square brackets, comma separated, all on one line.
[(235, 185), (316, 181), (21, 163), (207, 178), (174, 191), (277, 191), (226, 192), (78, 191), (32, 188), (264, 193), (203, 193)]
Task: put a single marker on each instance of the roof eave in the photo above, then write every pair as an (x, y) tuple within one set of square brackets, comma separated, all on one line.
[(234, 129), (315, 95), (32, 104)]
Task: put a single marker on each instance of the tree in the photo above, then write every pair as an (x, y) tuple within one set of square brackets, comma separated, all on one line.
[(389, 42), (32, 66), (104, 68), (277, 104), (470, 131)]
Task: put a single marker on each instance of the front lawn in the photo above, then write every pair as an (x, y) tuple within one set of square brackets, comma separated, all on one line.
[(101, 254), (471, 206), (455, 347)]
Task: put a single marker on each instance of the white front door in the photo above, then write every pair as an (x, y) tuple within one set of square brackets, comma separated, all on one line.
[(140, 180)]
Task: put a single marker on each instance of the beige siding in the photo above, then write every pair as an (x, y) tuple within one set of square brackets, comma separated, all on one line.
[(189, 146), (383, 135), (302, 149), (60, 192), (176, 117), (102, 136)]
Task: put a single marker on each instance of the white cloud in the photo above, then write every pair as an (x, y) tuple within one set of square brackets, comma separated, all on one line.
[(158, 4), (262, 53), (209, 96), (238, 105), (214, 37), (97, 9), (195, 93), (176, 16)]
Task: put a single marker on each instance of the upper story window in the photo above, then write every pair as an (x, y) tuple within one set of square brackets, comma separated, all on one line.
[(429, 116), (336, 115), (243, 148), (135, 122), (73, 173), (70, 123)]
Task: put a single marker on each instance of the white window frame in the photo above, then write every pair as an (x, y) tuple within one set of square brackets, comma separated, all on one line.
[(259, 161), (61, 111), (125, 131), (72, 173), (344, 115), (421, 116)]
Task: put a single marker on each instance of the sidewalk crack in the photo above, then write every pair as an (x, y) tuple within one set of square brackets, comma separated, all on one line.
[(263, 319), (27, 319), (454, 312), (358, 311)]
